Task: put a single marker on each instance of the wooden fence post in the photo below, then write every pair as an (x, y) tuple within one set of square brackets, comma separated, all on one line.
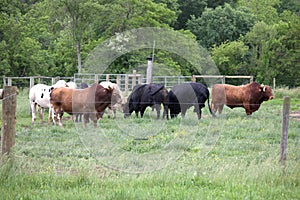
[(9, 106), (96, 78), (223, 80), (31, 82), (9, 81), (133, 79), (126, 84), (107, 77), (251, 79), (193, 78), (4, 81), (118, 81), (285, 127)]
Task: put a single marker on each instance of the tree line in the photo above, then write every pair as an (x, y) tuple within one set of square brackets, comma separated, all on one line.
[(244, 37)]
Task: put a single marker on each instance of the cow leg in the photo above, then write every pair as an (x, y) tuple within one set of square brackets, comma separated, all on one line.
[(198, 111), (41, 114), (57, 114), (86, 118), (50, 115), (59, 117), (33, 111), (76, 117), (115, 112), (213, 107), (94, 118), (247, 109), (143, 111), (220, 108), (165, 113), (136, 113), (157, 107)]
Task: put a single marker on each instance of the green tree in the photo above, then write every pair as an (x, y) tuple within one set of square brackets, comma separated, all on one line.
[(275, 52), (78, 15), (221, 24), (189, 8), (126, 15), (230, 58), (264, 10)]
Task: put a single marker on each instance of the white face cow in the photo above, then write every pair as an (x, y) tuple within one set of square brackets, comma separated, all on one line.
[(117, 97), (39, 95)]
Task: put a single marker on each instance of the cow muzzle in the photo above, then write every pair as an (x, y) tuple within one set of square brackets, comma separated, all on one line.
[(271, 97)]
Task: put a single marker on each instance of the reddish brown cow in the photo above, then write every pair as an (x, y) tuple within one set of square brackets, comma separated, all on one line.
[(90, 101), (248, 96)]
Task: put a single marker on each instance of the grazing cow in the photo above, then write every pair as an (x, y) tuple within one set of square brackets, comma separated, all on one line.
[(39, 95), (142, 96), (117, 97), (248, 96), (90, 101), (183, 96)]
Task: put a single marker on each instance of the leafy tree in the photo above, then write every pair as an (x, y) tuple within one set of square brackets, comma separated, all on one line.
[(288, 5), (221, 24), (126, 15), (230, 57), (78, 15), (264, 10), (189, 8), (275, 52)]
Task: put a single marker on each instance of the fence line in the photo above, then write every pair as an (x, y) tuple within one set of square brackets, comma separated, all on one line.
[(126, 82)]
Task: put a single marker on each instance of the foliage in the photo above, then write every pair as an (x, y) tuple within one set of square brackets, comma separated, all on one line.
[(230, 57), (53, 37), (274, 50), (191, 8), (221, 24), (264, 10)]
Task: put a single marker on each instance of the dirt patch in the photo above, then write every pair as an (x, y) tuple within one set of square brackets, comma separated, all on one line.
[(295, 115)]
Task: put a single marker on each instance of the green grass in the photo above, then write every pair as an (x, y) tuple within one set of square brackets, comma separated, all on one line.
[(230, 157)]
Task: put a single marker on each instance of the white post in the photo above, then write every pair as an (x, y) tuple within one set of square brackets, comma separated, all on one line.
[(149, 70)]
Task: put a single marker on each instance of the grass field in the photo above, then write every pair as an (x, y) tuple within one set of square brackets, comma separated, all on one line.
[(230, 157)]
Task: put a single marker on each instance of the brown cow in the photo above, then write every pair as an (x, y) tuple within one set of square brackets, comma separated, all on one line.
[(248, 96), (90, 101)]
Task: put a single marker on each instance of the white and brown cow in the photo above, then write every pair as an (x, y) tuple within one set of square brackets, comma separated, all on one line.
[(91, 102), (39, 95), (117, 99), (248, 96)]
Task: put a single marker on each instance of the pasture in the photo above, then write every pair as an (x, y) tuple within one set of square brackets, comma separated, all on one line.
[(229, 157)]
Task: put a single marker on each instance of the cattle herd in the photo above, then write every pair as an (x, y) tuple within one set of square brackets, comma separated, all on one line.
[(93, 101)]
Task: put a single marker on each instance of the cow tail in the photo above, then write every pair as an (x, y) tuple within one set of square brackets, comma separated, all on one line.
[(208, 104)]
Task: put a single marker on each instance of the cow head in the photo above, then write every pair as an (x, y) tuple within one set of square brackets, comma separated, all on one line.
[(266, 92), (126, 110)]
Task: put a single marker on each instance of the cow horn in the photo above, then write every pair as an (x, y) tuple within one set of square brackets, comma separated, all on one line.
[(264, 89)]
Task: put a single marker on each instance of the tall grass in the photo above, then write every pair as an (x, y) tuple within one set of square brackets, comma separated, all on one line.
[(285, 91), (230, 157)]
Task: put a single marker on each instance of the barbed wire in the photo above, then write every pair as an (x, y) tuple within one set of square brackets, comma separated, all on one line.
[(3, 99)]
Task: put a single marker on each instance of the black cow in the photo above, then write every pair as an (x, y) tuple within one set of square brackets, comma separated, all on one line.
[(183, 96), (145, 95)]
